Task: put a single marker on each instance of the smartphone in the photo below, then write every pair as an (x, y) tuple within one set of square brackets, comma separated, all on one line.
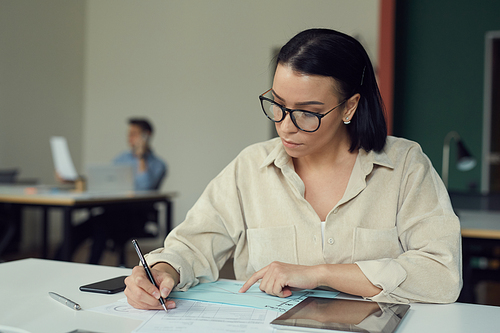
[(110, 286)]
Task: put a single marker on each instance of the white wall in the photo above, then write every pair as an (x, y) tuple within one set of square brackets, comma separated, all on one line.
[(41, 91), (41, 82), (195, 68)]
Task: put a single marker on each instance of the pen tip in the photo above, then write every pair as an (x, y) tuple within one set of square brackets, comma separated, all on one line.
[(165, 308)]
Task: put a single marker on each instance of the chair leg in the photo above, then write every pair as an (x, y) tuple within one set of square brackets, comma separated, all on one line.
[(9, 233), (122, 257)]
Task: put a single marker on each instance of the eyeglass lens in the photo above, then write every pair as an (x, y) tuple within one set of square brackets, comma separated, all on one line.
[(304, 120)]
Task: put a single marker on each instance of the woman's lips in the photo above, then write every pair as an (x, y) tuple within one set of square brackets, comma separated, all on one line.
[(290, 144)]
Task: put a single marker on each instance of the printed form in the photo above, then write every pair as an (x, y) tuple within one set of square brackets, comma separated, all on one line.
[(194, 316), (214, 307)]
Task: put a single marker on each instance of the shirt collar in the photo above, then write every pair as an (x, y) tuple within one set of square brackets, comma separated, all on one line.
[(279, 157), (369, 159)]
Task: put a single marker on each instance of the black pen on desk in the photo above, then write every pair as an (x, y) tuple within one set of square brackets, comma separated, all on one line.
[(148, 271)]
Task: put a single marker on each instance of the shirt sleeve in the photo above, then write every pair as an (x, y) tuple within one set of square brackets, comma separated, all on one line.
[(152, 177), (430, 269), (199, 246)]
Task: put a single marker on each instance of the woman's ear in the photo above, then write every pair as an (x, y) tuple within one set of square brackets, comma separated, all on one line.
[(351, 106)]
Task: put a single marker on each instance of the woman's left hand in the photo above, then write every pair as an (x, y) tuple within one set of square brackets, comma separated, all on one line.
[(278, 277)]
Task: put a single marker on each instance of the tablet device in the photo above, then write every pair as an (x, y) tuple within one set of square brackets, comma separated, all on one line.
[(316, 314), (110, 286)]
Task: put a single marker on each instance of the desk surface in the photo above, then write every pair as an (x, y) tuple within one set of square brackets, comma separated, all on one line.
[(24, 195), (479, 214), (479, 224), (25, 303)]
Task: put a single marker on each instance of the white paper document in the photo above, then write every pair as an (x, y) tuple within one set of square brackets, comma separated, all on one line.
[(62, 159), (121, 308), (214, 307), (193, 316)]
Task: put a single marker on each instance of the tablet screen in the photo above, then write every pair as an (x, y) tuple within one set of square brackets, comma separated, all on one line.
[(342, 315)]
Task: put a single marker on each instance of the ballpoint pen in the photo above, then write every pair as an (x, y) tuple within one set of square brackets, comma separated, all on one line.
[(65, 301), (148, 271)]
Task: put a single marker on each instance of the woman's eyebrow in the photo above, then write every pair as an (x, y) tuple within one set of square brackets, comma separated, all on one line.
[(299, 103)]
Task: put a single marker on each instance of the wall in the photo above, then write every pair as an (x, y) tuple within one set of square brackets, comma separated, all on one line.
[(439, 76), (41, 91), (41, 82), (195, 68), (80, 68)]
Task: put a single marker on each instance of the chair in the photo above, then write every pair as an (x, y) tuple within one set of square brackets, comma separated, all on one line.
[(10, 229), (6, 220), (151, 230), (8, 176)]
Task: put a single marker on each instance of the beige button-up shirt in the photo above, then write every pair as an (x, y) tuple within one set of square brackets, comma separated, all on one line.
[(395, 221)]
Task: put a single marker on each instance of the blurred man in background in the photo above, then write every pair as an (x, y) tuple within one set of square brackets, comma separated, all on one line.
[(149, 170), (123, 224)]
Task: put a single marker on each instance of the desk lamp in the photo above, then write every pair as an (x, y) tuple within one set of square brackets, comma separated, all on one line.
[(465, 161)]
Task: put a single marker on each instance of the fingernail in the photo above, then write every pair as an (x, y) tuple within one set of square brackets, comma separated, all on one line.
[(164, 292), (170, 305), (156, 294)]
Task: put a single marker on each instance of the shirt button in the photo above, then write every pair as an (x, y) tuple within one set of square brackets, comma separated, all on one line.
[(336, 210), (330, 241)]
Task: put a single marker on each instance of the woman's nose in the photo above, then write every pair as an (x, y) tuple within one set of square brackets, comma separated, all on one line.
[(287, 125)]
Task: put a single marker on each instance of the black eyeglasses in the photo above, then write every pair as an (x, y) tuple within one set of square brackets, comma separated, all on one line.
[(306, 121)]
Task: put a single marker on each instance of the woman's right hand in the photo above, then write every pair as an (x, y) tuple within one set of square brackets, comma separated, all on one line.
[(142, 294)]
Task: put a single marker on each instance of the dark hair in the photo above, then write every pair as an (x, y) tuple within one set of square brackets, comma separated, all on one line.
[(331, 53), (144, 124)]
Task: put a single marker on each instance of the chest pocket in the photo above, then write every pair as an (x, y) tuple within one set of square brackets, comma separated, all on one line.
[(266, 245), (372, 244)]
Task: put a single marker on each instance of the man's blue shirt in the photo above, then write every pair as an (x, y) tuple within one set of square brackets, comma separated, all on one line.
[(151, 178)]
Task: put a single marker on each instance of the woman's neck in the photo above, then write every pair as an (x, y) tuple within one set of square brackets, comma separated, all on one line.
[(338, 156)]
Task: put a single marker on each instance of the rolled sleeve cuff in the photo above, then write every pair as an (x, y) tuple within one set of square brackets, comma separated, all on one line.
[(386, 274), (185, 271)]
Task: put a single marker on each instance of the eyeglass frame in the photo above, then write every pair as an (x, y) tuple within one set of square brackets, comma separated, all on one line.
[(291, 111)]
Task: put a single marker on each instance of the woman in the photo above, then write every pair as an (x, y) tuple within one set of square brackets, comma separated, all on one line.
[(332, 202)]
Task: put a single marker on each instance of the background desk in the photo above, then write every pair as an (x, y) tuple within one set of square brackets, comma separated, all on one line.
[(69, 201), (25, 303), (480, 222), (481, 253)]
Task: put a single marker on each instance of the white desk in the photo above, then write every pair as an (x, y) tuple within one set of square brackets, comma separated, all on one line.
[(25, 303)]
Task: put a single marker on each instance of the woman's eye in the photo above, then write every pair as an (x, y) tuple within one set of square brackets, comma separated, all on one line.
[(308, 115)]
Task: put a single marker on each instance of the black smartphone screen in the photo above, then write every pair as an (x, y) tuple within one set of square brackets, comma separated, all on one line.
[(110, 286)]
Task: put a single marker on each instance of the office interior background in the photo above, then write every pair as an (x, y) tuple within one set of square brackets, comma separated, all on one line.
[(80, 68)]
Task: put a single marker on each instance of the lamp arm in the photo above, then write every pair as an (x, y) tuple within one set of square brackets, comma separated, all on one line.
[(446, 155)]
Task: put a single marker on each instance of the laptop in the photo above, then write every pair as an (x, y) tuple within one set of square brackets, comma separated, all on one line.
[(109, 178)]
